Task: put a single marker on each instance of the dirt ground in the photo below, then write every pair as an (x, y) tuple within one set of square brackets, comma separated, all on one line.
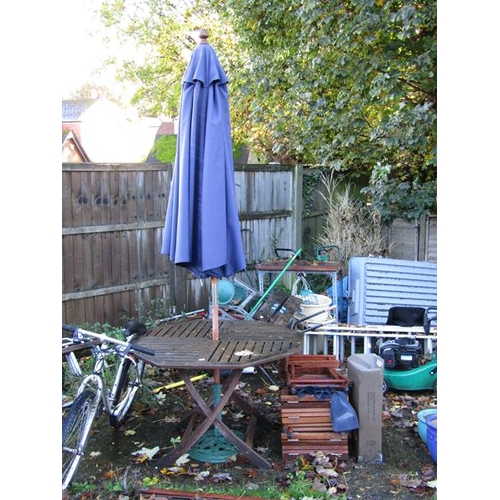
[(118, 462)]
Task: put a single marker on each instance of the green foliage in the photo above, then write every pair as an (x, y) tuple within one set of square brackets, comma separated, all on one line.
[(238, 151), (164, 148), (309, 183), (344, 84), (113, 486), (86, 487), (341, 84), (158, 309), (299, 487), (394, 199)]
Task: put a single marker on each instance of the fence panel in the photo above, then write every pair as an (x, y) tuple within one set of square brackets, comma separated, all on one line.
[(112, 229), (113, 218)]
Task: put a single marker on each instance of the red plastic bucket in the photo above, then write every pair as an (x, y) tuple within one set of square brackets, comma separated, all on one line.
[(432, 435)]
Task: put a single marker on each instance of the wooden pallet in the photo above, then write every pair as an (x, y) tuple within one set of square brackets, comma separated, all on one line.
[(307, 428)]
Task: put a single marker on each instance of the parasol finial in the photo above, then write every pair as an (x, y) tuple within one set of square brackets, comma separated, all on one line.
[(203, 35)]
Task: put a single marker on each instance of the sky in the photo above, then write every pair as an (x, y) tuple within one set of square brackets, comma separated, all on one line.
[(85, 45)]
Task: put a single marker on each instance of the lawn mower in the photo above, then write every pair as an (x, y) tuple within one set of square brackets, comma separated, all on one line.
[(406, 368)]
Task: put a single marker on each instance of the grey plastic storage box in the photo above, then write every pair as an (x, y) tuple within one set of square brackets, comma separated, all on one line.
[(376, 284), (366, 372)]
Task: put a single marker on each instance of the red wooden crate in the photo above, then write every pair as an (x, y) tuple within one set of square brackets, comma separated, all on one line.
[(314, 369), (307, 428)]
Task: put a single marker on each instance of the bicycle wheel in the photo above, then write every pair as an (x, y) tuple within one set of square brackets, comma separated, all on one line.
[(75, 432), (128, 383)]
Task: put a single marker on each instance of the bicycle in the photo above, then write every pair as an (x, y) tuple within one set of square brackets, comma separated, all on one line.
[(94, 394)]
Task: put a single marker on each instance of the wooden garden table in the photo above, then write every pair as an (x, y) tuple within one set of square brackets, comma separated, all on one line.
[(187, 345)]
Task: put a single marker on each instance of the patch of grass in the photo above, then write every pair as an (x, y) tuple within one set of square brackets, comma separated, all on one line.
[(269, 492), (298, 486), (113, 486), (86, 487)]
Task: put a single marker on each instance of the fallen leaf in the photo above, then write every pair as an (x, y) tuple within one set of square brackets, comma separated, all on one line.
[(221, 477), (251, 486), (428, 472), (169, 419), (409, 482), (245, 352), (327, 472), (149, 453), (110, 474), (167, 471), (183, 459), (317, 485), (129, 432), (201, 476), (397, 413)]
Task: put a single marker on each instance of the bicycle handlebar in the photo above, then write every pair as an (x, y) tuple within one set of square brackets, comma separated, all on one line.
[(102, 337)]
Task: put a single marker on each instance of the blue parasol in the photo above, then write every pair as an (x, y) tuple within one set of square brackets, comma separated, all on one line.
[(202, 227)]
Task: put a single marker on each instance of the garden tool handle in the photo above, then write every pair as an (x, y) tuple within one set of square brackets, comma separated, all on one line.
[(322, 252), (278, 250)]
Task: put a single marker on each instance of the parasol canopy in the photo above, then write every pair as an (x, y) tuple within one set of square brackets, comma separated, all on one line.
[(202, 227)]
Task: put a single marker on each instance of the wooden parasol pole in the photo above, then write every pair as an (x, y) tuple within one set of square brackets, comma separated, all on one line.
[(215, 318)]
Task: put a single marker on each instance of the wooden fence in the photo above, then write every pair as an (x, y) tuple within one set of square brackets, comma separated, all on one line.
[(113, 217), (112, 228)]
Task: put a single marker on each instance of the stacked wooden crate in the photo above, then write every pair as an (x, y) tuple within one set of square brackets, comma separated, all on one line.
[(306, 420)]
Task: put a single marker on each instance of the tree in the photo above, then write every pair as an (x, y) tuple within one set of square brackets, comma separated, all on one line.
[(164, 34), (345, 84)]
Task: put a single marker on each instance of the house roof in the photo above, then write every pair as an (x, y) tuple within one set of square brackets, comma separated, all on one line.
[(72, 110), (106, 132), (65, 134), (68, 139)]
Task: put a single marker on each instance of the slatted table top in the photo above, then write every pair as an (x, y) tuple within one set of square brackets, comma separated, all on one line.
[(188, 343)]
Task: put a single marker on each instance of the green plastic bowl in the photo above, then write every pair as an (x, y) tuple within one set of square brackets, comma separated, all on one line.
[(226, 291)]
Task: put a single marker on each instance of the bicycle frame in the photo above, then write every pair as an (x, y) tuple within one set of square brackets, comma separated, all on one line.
[(92, 393), (73, 365), (96, 378)]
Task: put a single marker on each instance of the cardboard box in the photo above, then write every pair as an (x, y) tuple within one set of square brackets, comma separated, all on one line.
[(366, 374)]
